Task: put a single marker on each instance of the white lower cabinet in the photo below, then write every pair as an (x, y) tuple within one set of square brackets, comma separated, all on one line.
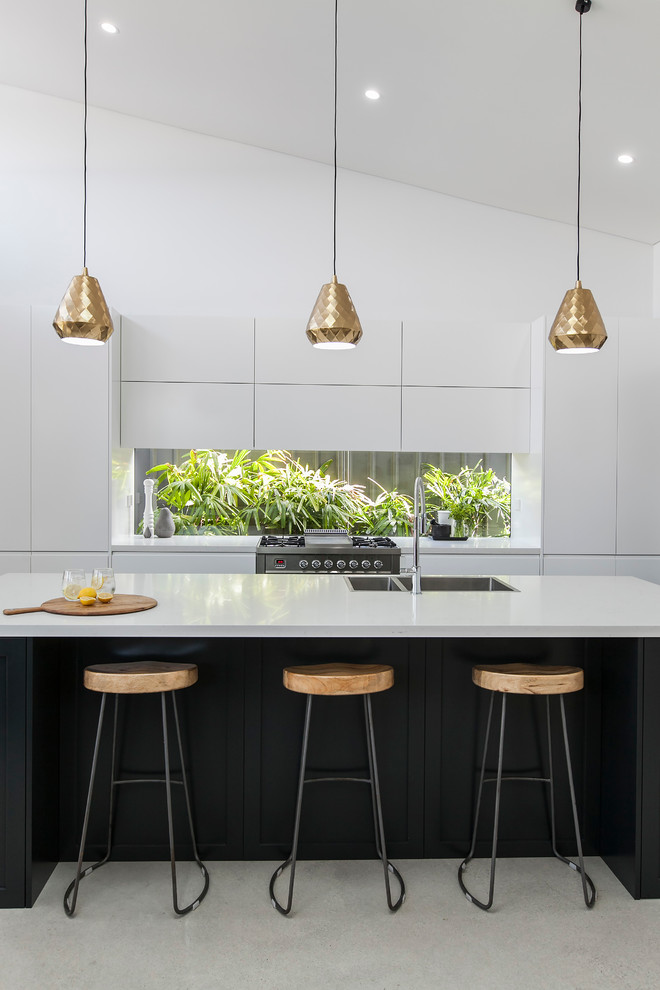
[(579, 565), (160, 562), (47, 563), (476, 563), (647, 568), (14, 563)]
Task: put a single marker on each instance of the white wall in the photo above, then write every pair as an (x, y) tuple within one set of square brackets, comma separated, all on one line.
[(183, 223)]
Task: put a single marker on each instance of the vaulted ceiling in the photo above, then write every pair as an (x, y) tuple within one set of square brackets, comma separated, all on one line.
[(478, 97)]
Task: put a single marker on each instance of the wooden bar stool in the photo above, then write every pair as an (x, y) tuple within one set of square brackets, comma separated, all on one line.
[(141, 677), (340, 679), (522, 678)]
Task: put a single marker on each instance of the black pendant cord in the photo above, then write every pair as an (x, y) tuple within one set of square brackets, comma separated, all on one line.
[(85, 144), (579, 161), (334, 202)]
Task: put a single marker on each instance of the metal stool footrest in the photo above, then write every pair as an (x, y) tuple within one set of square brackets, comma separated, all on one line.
[(388, 868), (71, 893), (588, 888)]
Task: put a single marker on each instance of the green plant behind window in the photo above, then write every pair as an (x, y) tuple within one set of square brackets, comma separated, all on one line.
[(477, 500), (214, 492)]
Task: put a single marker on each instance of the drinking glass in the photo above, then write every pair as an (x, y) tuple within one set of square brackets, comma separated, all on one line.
[(73, 582), (103, 582)]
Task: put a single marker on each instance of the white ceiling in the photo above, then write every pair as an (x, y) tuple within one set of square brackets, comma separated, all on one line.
[(479, 97)]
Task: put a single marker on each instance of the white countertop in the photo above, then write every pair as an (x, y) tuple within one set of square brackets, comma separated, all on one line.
[(268, 605), (247, 544)]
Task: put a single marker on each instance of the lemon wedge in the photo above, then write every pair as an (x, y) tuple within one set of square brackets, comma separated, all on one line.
[(104, 597), (86, 600), (87, 593)]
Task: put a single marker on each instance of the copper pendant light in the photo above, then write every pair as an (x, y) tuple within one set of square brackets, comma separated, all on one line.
[(83, 316), (334, 324), (578, 327)]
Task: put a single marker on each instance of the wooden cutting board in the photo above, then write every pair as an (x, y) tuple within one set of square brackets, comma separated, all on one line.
[(120, 605)]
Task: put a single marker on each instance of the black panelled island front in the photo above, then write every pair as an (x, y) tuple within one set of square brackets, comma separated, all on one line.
[(242, 729)]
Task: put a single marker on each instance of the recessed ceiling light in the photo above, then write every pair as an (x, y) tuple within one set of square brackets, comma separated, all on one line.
[(626, 159), (109, 28), (372, 94)]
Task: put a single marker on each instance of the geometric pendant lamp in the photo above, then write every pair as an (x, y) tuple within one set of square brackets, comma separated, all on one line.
[(334, 324), (83, 316), (578, 327)]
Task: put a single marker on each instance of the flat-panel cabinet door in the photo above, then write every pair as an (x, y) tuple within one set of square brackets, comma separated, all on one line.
[(159, 562), (477, 355), (466, 419), (169, 414), (187, 349), (70, 441), (53, 563), (583, 565), (15, 427), (284, 355), (486, 563), (579, 514), (638, 478), (14, 563), (328, 417), (646, 568)]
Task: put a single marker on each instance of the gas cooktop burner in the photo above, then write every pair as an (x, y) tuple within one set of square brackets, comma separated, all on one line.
[(282, 541), (362, 542), (373, 541)]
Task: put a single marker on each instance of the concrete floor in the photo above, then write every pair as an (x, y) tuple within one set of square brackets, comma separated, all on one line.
[(538, 935)]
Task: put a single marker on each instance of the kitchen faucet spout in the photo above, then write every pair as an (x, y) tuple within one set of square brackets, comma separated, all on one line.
[(419, 527)]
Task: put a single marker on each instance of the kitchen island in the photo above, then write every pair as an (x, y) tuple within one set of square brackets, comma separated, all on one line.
[(243, 728)]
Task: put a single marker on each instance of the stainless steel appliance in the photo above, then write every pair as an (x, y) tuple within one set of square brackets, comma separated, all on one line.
[(327, 551)]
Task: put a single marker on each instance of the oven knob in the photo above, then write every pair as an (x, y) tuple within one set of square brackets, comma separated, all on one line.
[(303, 564), (316, 564), (366, 564), (341, 564), (378, 564), (328, 564), (352, 564)]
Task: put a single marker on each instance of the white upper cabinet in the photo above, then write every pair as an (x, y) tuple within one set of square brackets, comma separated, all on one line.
[(187, 349), (328, 417), (284, 355), (580, 494), (638, 482), (70, 441), (173, 414), (477, 355), (465, 419), (15, 427)]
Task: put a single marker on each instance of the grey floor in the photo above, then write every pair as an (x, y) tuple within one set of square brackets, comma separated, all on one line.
[(539, 935)]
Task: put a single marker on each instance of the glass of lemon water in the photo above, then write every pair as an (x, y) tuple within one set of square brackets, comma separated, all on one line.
[(73, 582), (103, 582)]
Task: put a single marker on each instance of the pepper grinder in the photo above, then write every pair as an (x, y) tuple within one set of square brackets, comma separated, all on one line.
[(148, 518)]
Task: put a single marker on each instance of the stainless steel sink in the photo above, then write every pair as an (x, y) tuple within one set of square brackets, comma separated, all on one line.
[(430, 582), (451, 582), (373, 582)]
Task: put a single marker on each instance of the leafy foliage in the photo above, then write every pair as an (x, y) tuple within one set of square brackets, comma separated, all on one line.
[(211, 492), (477, 500)]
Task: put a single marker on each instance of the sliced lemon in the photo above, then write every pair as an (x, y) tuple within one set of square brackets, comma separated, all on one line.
[(86, 600), (71, 591), (104, 597), (87, 593)]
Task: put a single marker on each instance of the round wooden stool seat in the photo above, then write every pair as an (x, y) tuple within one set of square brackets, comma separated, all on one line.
[(528, 678), (339, 678), (139, 677)]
